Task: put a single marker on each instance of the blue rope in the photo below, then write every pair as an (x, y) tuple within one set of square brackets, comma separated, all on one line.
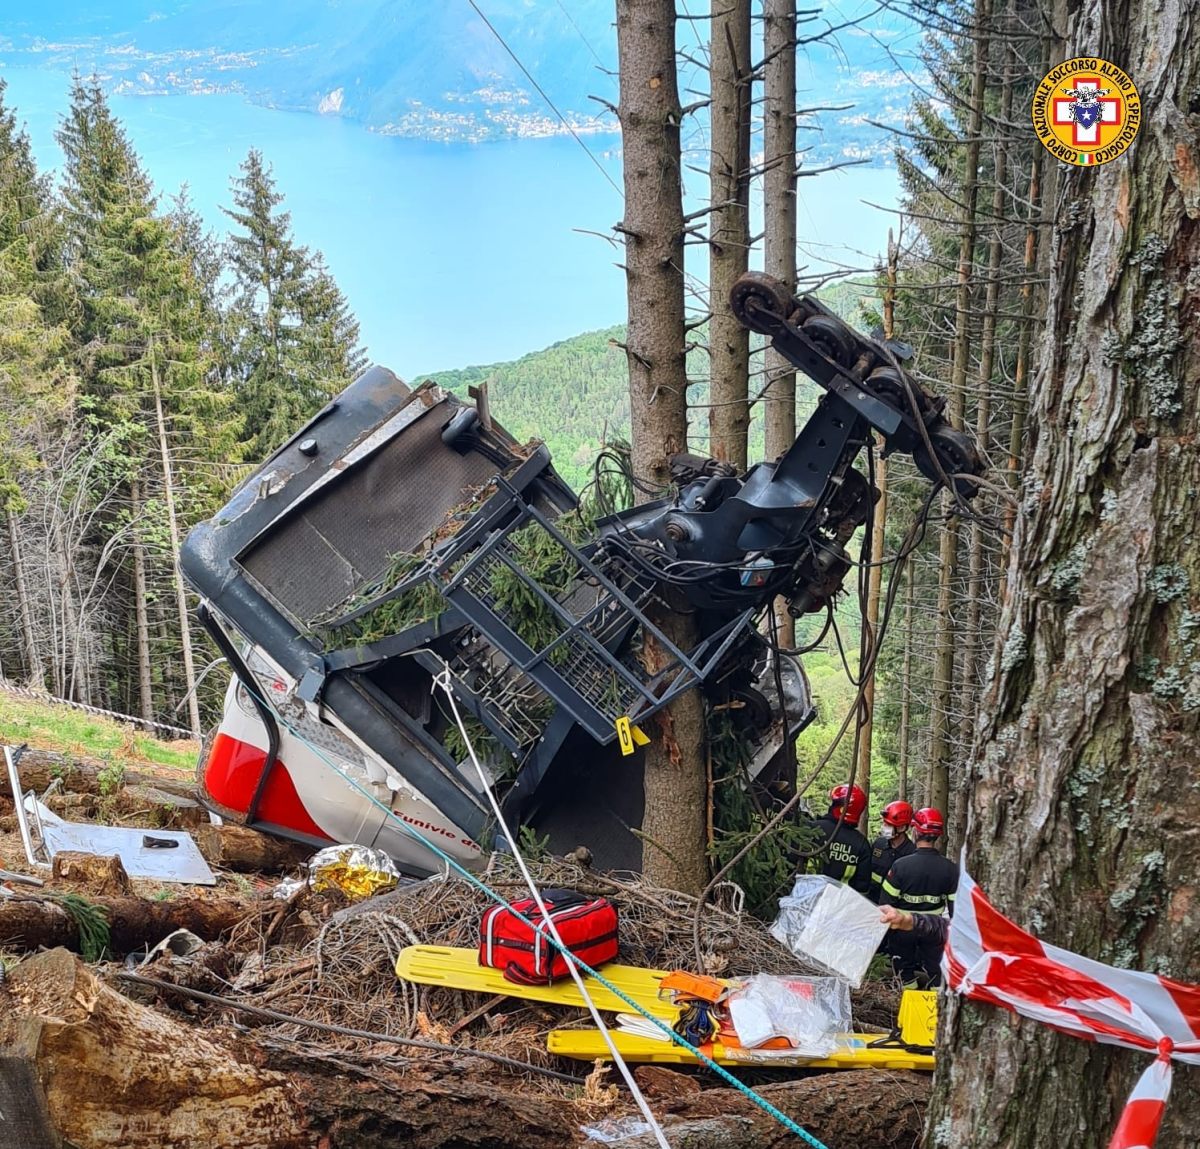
[(499, 899)]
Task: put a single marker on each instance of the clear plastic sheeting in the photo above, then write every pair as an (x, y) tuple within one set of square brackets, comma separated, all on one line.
[(829, 924), (806, 1011), (358, 871), (611, 1130)]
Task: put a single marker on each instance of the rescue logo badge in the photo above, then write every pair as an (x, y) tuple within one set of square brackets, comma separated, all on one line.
[(1086, 111)]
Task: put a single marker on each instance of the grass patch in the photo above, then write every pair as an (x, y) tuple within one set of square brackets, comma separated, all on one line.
[(51, 726)]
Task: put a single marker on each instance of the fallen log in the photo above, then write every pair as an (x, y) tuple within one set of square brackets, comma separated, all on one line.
[(81, 1063), (108, 1073), (845, 1109), (38, 768), (247, 851), (134, 923)]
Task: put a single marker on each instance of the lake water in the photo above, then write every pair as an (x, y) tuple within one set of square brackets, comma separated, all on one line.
[(450, 254)]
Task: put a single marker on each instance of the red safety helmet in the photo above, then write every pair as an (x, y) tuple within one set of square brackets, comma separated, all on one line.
[(929, 821), (854, 799), (898, 815)]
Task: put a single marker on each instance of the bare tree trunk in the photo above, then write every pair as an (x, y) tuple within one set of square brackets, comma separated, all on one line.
[(673, 823), (34, 666), (1084, 802), (1016, 436), (185, 631), (779, 224), (943, 659), (729, 231), (72, 619), (878, 531), (972, 642), (906, 680), (142, 626)]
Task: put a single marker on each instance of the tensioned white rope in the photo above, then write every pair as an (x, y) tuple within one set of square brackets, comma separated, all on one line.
[(443, 682)]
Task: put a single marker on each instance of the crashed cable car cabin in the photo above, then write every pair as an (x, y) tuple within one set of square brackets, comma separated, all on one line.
[(402, 540)]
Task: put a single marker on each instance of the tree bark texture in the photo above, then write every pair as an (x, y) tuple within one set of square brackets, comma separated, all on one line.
[(112, 1073), (868, 1107), (673, 852), (142, 632), (1082, 815), (779, 225), (729, 229), (29, 922), (653, 231), (237, 848)]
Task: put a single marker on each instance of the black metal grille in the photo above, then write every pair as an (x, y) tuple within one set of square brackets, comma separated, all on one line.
[(562, 629)]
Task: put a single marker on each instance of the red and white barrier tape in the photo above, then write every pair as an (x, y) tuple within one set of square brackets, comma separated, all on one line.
[(989, 958)]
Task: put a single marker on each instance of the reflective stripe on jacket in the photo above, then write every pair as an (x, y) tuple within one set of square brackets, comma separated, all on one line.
[(922, 883)]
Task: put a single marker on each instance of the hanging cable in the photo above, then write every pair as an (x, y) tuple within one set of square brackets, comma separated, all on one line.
[(442, 682), (550, 103)]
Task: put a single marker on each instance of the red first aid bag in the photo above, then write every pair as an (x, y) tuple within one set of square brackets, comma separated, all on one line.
[(587, 927)]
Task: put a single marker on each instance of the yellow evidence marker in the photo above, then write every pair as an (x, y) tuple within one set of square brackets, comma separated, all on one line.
[(630, 736)]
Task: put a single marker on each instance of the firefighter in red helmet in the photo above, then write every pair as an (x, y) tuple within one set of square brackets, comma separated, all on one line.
[(847, 854), (922, 883), (892, 844)]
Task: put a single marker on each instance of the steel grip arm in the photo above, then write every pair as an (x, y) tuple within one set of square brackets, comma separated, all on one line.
[(861, 373)]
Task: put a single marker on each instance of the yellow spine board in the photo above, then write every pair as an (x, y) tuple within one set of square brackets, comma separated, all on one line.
[(853, 1052), (457, 968)]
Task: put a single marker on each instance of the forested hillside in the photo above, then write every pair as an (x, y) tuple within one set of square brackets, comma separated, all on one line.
[(143, 361), (575, 394)]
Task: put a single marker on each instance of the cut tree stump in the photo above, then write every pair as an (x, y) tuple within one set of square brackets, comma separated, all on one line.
[(247, 851), (134, 923), (98, 874)]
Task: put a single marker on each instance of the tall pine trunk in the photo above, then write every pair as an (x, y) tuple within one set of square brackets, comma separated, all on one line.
[(944, 643), (1016, 435), (1084, 804), (729, 233), (185, 630), (673, 829), (973, 633), (779, 225), (141, 617), (878, 535), (906, 681)]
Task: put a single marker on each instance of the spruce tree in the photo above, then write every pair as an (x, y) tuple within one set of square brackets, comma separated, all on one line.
[(293, 341), (144, 334), (35, 384)]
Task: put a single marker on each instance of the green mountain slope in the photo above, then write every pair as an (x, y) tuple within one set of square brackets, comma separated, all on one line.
[(574, 394), (571, 395)]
